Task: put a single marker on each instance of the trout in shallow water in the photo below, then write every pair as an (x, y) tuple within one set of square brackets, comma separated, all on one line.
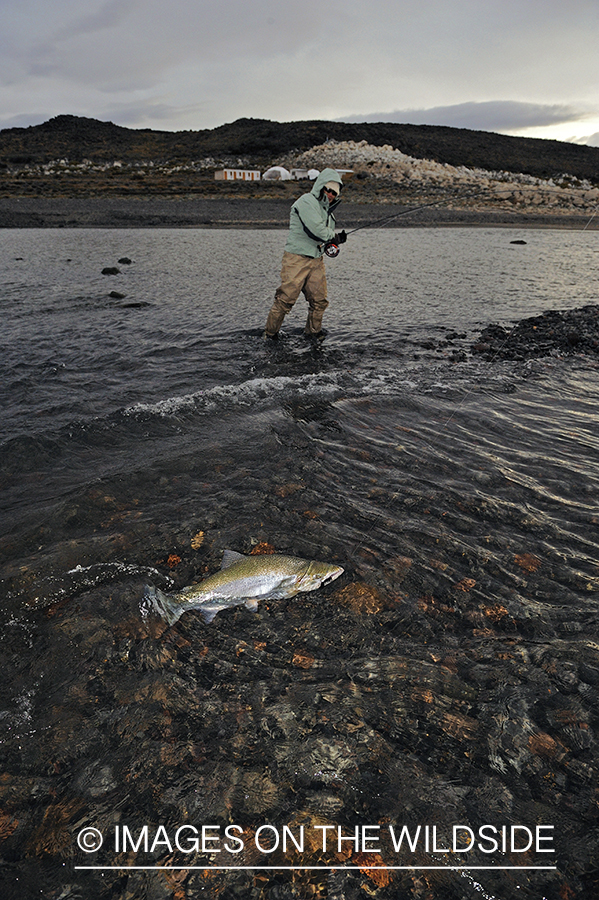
[(244, 580)]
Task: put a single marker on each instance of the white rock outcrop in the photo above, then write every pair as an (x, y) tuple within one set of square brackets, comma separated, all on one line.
[(508, 188)]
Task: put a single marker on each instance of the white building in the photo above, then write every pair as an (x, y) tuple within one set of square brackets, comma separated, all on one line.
[(277, 173), (237, 175)]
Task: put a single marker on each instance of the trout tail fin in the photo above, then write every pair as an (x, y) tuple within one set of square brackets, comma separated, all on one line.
[(166, 607)]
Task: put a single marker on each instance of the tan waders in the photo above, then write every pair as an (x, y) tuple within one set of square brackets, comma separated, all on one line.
[(299, 274)]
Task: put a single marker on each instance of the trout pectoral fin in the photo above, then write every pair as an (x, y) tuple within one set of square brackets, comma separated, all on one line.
[(208, 613)]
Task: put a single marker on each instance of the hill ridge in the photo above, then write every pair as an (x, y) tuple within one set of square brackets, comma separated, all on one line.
[(262, 141)]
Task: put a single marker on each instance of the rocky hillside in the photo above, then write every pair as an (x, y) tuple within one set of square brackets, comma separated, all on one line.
[(72, 157), (425, 179), (261, 141)]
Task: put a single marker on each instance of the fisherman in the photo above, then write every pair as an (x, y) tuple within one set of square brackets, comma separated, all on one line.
[(311, 226)]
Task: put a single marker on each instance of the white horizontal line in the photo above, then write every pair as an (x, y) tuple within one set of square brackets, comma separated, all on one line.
[(316, 868)]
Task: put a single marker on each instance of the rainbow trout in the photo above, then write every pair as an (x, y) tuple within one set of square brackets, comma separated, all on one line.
[(244, 580)]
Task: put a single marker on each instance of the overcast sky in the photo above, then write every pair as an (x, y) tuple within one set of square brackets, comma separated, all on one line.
[(526, 67)]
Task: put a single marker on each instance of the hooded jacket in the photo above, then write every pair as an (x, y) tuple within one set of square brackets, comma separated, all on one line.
[(311, 221)]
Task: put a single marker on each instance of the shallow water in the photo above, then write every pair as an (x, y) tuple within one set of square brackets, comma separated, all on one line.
[(449, 678)]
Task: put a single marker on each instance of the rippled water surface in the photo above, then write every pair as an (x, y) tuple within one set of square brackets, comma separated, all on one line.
[(449, 678)]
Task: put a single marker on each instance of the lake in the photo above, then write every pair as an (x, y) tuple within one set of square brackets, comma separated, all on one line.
[(448, 680)]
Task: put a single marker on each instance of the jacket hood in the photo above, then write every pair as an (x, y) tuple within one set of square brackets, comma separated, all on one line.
[(321, 180)]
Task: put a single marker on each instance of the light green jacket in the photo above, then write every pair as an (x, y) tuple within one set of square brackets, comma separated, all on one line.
[(311, 223)]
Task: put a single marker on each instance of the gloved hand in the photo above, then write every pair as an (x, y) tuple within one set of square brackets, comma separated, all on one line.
[(340, 237)]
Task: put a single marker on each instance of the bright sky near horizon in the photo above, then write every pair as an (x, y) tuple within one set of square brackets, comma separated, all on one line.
[(523, 67)]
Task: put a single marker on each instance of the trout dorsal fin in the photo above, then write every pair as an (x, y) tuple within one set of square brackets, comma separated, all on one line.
[(230, 557)]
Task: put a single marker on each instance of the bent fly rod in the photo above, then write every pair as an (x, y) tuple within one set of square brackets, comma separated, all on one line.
[(331, 248)]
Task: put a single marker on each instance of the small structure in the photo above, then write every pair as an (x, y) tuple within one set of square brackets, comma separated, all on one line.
[(237, 175), (277, 173), (300, 174)]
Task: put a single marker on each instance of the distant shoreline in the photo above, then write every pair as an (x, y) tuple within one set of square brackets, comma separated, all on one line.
[(56, 212)]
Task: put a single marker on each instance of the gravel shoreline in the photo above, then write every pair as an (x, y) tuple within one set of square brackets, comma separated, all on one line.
[(56, 212)]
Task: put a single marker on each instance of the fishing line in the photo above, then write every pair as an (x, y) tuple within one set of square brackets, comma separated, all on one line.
[(590, 220), (412, 209), (503, 343), (331, 248), (430, 444)]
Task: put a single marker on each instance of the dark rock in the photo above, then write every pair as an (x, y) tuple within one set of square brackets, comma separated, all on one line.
[(125, 261), (517, 242), (110, 270), (116, 295), (555, 331)]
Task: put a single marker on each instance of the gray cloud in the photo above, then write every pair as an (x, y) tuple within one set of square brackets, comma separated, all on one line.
[(23, 120), (110, 15), (139, 40), (199, 63), (491, 115), (592, 140)]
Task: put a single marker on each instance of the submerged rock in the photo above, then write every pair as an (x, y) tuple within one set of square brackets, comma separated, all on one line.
[(362, 599), (553, 332)]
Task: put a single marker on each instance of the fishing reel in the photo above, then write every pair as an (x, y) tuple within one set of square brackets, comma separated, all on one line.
[(331, 248)]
